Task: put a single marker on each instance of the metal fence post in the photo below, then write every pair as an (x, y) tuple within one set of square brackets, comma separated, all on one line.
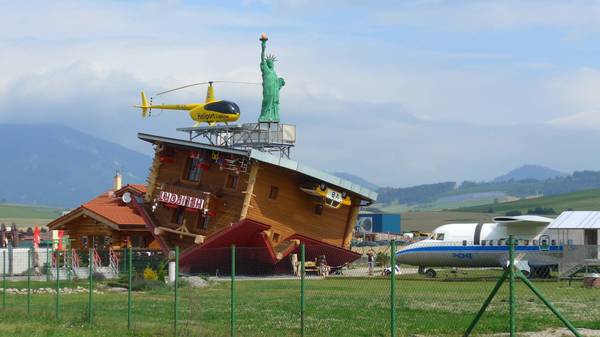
[(48, 267), (511, 277), (4, 280), (28, 281), (176, 284), (302, 259), (393, 287), (91, 284), (130, 272), (232, 309), (57, 284)]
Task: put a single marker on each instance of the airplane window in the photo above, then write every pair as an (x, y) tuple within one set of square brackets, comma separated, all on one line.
[(483, 242), (553, 242), (440, 236), (501, 242), (491, 242), (526, 242), (535, 242), (516, 242), (464, 242)]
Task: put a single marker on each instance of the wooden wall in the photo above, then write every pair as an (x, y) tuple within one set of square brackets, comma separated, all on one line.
[(212, 180), (294, 211)]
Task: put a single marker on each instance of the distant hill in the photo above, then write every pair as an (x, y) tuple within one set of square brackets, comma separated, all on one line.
[(356, 179), (55, 165), (434, 194), (525, 172), (588, 200)]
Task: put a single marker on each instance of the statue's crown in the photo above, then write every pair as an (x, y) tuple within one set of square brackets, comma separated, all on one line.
[(271, 57)]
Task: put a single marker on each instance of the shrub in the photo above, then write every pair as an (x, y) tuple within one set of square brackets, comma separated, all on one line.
[(382, 259), (161, 271), (150, 274)]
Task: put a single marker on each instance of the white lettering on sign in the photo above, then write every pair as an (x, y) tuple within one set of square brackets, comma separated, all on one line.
[(181, 200)]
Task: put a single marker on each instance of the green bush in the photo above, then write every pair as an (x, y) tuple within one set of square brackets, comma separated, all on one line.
[(382, 259)]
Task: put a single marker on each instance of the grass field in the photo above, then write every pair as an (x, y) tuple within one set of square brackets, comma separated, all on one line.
[(580, 201), (27, 215), (334, 307)]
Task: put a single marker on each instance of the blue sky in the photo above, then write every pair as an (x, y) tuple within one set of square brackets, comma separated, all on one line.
[(400, 93)]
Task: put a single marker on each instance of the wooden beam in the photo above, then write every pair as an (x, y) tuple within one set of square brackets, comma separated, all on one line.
[(352, 215), (198, 239), (248, 193)]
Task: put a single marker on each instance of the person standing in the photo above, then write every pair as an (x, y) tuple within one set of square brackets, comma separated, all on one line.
[(371, 261), (295, 264)]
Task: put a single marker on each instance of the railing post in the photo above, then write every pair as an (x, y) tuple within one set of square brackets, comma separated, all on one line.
[(130, 272), (91, 283), (232, 309), (48, 266), (302, 304), (57, 284), (29, 281), (4, 279), (393, 288), (176, 284), (511, 277)]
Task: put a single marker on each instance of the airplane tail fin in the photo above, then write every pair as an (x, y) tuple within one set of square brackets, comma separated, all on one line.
[(145, 106)]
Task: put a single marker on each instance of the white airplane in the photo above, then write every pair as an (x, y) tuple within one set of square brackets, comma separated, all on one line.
[(485, 245)]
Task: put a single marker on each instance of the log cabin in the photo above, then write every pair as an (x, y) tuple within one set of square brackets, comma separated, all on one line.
[(107, 221), (204, 198)]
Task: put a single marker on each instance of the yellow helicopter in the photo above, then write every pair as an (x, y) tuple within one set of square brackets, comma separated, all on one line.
[(212, 111)]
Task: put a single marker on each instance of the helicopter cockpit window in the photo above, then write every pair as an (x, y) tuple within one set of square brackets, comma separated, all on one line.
[(225, 107)]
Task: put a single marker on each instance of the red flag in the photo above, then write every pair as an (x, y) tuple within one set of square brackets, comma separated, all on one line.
[(36, 237)]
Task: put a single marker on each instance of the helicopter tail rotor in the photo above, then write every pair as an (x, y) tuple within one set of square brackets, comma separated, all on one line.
[(145, 106)]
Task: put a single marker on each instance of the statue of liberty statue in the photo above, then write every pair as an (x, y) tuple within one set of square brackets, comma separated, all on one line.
[(269, 112)]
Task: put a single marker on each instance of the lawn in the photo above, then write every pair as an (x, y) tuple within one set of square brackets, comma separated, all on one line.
[(27, 215), (334, 307)]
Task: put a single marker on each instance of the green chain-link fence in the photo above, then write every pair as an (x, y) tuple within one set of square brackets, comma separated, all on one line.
[(132, 295)]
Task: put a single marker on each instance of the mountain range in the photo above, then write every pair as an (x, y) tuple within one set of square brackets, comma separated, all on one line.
[(48, 164), (54, 165)]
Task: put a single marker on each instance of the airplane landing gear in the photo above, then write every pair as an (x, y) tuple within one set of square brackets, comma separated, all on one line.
[(430, 273)]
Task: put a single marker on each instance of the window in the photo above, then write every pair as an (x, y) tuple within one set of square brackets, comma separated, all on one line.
[(535, 242), (491, 242), (318, 209), (273, 192), (526, 242), (483, 242), (84, 241), (177, 216), (501, 242), (193, 171), (464, 242), (232, 181), (203, 222), (275, 237), (440, 237)]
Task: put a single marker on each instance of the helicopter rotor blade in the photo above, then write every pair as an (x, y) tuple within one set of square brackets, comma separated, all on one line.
[(201, 83)]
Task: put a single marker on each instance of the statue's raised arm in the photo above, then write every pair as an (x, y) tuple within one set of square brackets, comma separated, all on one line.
[(263, 42)]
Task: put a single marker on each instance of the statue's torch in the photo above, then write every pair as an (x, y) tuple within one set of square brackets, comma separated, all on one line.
[(263, 37)]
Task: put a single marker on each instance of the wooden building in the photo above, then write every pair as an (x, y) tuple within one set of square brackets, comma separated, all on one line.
[(107, 221), (205, 198)]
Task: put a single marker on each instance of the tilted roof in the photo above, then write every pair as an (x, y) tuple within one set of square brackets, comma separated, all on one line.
[(577, 220), (261, 156)]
